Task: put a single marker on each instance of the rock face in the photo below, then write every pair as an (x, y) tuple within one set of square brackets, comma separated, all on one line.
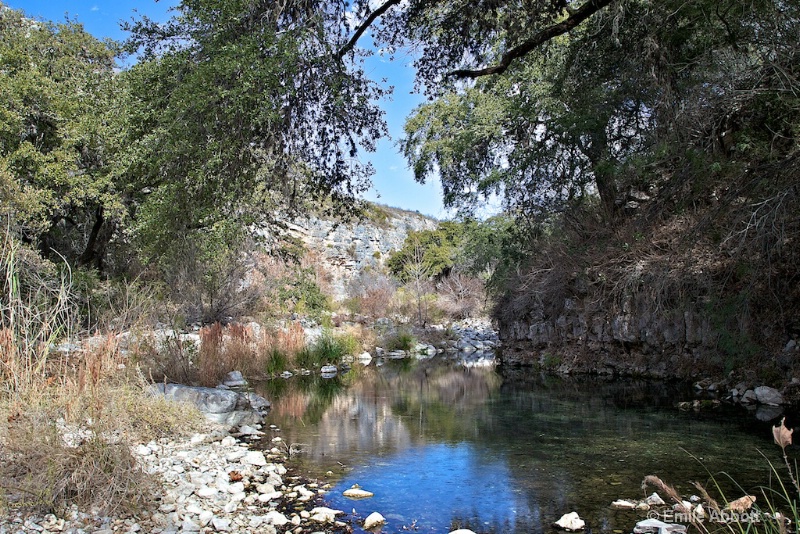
[(347, 249), (636, 338), (223, 406)]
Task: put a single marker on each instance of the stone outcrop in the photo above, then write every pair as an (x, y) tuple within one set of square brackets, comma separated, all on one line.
[(220, 405), (636, 338), (347, 249)]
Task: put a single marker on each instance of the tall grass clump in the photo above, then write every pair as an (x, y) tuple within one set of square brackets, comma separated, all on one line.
[(70, 417), (400, 340), (281, 347), (329, 349)]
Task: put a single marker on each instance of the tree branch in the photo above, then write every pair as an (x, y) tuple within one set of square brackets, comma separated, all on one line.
[(576, 17), (363, 27)]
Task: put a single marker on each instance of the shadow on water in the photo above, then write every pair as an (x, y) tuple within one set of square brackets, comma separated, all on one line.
[(444, 447)]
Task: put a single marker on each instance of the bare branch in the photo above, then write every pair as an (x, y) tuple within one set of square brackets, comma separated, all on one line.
[(575, 18), (363, 27)]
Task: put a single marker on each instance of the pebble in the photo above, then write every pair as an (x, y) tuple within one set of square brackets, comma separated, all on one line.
[(198, 494)]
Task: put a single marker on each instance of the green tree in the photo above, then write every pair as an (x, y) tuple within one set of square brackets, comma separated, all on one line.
[(56, 137), (557, 111), (428, 253), (238, 110)]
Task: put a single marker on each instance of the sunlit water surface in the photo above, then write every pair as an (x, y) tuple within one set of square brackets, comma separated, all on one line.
[(444, 447)]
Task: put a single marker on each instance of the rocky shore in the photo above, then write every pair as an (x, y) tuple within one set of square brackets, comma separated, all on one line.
[(210, 482)]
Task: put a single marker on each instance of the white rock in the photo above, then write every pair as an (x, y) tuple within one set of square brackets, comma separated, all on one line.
[(655, 500), (374, 520), (231, 507), (236, 487), (189, 526), (205, 517), (357, 493), (265, 488), (570, 522), (228, 441), (322, 514), (254, 458), (266, 497), (248, 430), (221, 524), (142, 450), (700, 511), (462, 531), (276, 518), (206, 492), (622, 504)]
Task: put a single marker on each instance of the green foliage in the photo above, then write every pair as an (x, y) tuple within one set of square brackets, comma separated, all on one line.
[(277, 362), (57, 137), (237, 110), (428, 253), (327, 350), (400, 340), (301, 294)]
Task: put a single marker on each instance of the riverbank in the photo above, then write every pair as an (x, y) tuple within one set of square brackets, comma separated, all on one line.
[(209, 482)]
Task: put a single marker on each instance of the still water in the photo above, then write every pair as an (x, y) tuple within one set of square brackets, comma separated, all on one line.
[(445, 447)]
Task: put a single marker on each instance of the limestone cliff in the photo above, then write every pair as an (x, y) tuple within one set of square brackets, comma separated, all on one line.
[(347, 249)]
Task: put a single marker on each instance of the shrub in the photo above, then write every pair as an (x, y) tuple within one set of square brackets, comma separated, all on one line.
[(402, 340), (70, 420), (371, 294), (461, 296), (328, 349)]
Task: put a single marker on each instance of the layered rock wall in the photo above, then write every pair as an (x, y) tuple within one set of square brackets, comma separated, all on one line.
[(346, 250), (634, 338)]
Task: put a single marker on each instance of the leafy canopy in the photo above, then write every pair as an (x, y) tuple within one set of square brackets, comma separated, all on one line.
[(239, 108), (55, 134)]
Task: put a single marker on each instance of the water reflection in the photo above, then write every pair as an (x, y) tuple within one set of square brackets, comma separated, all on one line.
[(445, 447)]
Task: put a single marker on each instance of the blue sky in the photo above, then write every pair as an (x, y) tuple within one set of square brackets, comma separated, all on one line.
[(393, 183)]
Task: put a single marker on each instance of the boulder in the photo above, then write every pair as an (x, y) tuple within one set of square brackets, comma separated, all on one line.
[(357, 493), (749, 397), (373, 520), (322, 514), (768, 395), (207, 400), (234, 379)]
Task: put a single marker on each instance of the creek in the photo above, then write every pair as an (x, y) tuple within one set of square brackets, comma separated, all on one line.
[(444, 446)]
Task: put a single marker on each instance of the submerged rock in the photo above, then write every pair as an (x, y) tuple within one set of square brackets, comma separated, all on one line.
[(623, 504), (659, 527)]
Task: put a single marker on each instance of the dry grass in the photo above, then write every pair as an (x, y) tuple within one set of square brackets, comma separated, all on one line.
[(289, 341), (71, 417)]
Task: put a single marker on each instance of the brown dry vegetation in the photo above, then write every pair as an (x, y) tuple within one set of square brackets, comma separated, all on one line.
[(69, 417)]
